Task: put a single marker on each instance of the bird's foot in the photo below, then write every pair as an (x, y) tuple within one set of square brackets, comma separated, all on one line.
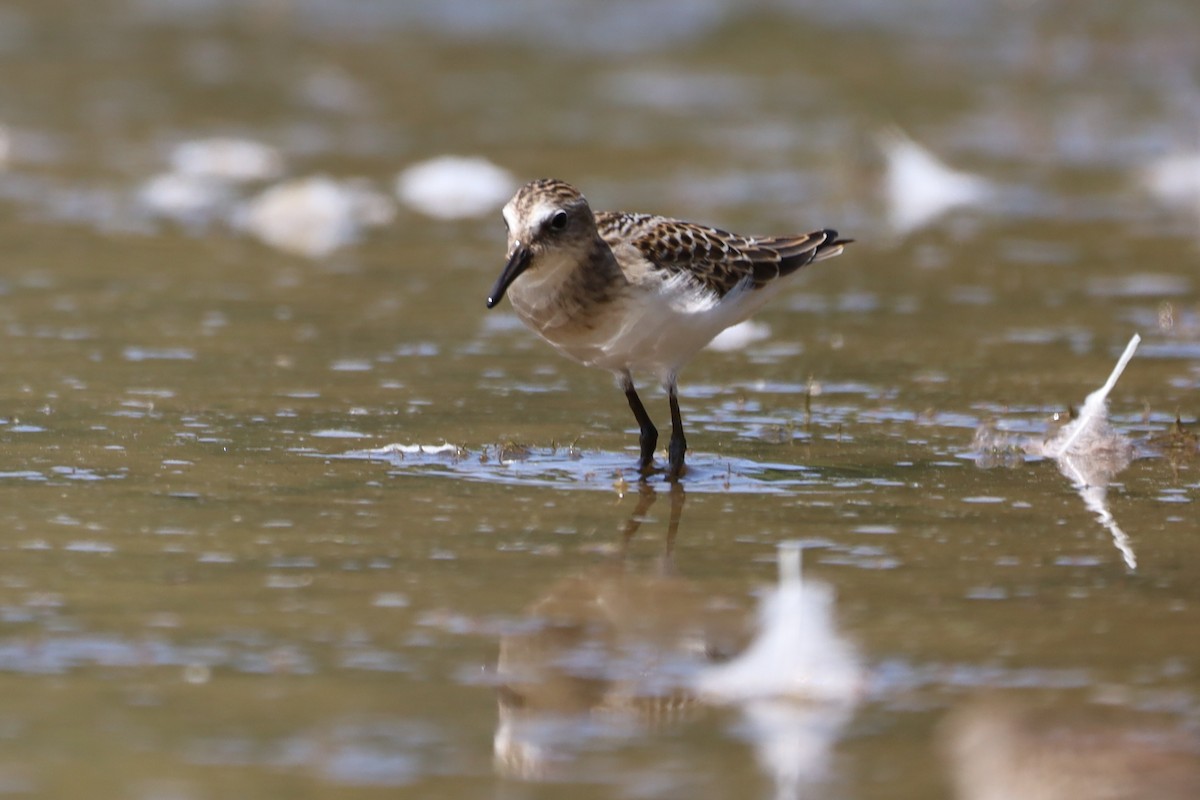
[(646, 468), (675, 454)]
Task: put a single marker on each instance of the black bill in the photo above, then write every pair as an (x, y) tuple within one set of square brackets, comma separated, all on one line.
[(517, 262)]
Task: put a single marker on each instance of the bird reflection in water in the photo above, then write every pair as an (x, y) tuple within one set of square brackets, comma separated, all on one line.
[(612, 648), (616, 651)]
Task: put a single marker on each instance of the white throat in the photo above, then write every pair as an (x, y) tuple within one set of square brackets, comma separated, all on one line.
[(541, 282)]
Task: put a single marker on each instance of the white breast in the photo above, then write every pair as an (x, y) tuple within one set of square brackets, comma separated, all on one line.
[(656, 326)]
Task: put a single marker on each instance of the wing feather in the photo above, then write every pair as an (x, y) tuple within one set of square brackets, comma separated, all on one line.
[(718, 260)]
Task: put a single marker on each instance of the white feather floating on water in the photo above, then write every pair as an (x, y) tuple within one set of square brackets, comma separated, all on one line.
[(1091, 453), (1082, 433), (919, 188)]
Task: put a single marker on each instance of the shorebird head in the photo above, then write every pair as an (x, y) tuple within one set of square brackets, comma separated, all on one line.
[(549, 225)]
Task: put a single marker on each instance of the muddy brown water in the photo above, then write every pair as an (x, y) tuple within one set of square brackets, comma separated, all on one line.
[(277, 526)]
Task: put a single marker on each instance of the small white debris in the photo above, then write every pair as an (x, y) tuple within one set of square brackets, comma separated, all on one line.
[(277, 581), (416, 449), (740, 336), (338, 433), (138, 353), (455, 187), (1174, 180), (89, 546), (313, 216), (186, 199), (390, 600), (227, 159), (197, 674), (919, 188)]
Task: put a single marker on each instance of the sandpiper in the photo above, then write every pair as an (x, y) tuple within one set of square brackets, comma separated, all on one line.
[(637, 292)]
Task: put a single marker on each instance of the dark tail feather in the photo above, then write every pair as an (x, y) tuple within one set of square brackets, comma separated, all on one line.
[(832, 246), (816, 246)]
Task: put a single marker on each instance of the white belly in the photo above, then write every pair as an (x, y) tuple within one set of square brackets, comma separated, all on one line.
[(655, 328)]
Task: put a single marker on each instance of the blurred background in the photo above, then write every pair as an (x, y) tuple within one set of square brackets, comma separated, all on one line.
[(284, 510)]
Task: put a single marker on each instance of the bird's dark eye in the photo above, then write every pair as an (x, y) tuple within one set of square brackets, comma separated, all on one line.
[(559, 221)]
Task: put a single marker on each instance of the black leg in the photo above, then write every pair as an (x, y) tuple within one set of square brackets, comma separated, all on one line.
[(648, 439), (678, 446)]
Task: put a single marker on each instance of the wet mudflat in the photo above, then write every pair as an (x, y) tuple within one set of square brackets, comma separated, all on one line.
[(285, 511)]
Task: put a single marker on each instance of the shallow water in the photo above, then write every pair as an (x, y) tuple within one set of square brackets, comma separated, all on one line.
[(277, 526)]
